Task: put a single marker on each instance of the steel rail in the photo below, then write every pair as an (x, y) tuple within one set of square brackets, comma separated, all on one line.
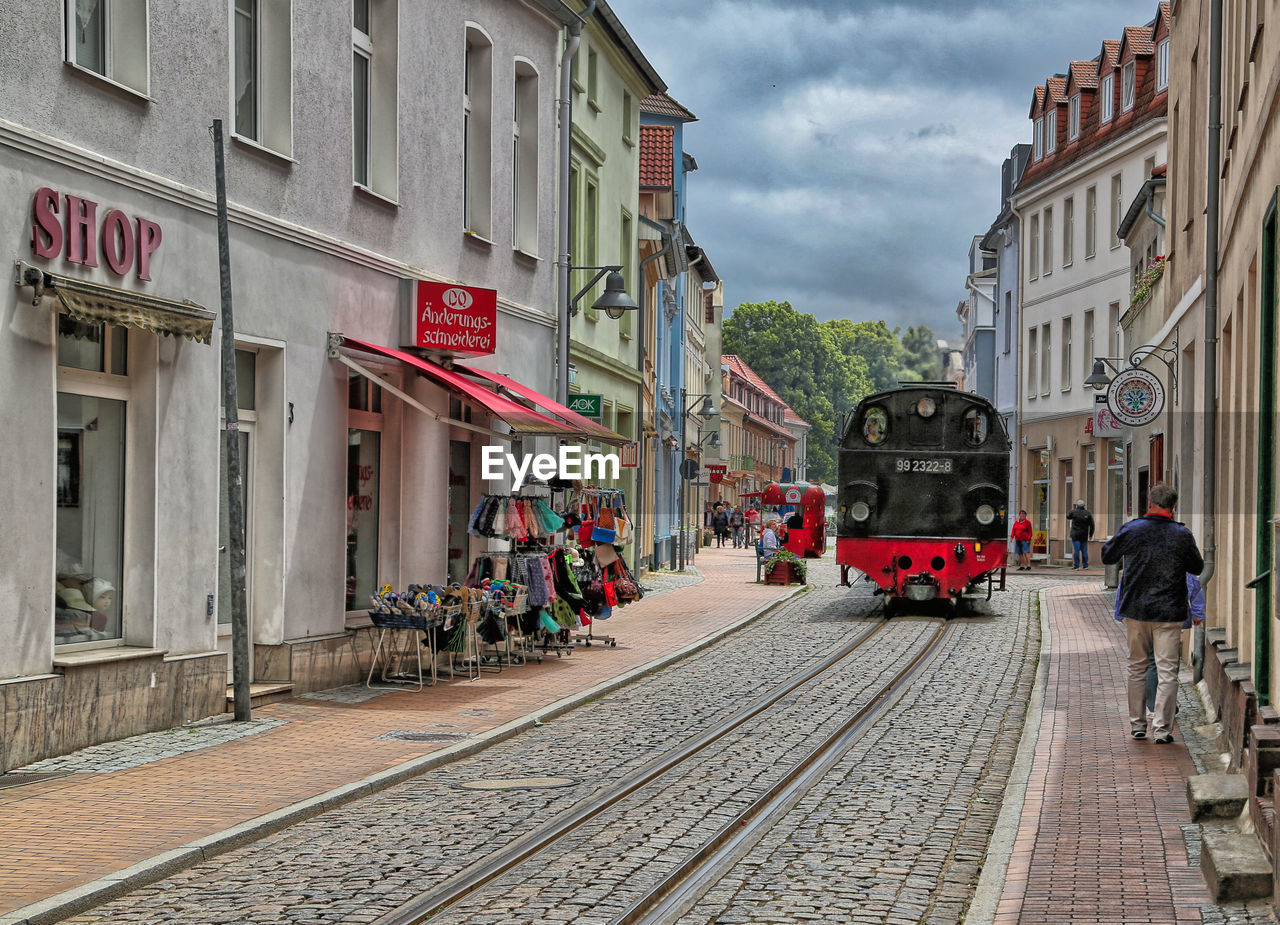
[(688, 883), (488, 869)]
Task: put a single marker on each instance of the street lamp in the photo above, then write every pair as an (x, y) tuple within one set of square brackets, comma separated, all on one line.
[(1099, 380), (615, 302)]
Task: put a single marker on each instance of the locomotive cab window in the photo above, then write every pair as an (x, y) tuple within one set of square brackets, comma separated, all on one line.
[(976, 427), (875, 426)]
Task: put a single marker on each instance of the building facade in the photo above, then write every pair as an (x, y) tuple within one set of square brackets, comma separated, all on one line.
[(1097, 134), (393, 167)]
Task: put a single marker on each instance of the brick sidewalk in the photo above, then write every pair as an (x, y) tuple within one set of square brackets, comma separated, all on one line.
[(1100, 837), (66, 832)]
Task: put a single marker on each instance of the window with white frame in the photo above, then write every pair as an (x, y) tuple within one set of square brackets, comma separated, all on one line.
[(1047, 269), (1128, 78), (1066, 354), (1046, 351), (628, 118), (261, 88), (1117, 209), (375, 96), (1090, 221), (1068, 229), (1089, 349), (593, 79), (109, 38), (1008, 321), (1073, 117), (477, 163), (1033, 249), (1107, 94), (1038, 138), (1051, 131), (1033, 357), (1162, 65), (524, 159)]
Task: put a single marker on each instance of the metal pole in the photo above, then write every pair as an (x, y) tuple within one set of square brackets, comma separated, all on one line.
[(683, 487), (231, 438)]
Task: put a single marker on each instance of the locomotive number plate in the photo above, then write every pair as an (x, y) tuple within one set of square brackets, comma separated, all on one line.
[(922, 465)]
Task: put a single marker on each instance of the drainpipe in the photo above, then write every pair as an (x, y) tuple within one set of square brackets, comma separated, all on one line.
[(1212, 209), (565, 105), (638, 513)]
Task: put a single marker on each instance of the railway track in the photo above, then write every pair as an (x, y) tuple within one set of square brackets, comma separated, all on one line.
[(683, 886)]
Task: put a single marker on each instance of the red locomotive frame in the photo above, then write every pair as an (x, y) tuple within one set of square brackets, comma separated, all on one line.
[(880, 558)]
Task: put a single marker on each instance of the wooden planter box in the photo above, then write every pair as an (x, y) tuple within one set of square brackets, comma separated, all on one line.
[(784, 573)]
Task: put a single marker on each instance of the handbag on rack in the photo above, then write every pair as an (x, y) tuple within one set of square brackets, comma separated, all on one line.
[(605, 554), (604, 530), (622, 524)]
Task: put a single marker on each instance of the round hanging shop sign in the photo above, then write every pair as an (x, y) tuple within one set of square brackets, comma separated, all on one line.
[(1136, 397)]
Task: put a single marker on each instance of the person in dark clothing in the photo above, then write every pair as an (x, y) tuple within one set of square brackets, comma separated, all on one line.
[(1081, 522), (1158, 554), (720, 524), (735, 527)]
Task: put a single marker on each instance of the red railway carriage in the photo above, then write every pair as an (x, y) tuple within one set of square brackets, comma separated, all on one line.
[(923, 494)]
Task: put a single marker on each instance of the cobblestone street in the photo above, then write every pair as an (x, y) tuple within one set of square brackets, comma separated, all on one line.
[(898, 831)]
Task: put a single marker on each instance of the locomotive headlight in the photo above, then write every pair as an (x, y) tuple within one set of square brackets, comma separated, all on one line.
[(925, 407), (986, 514), (860, 511)]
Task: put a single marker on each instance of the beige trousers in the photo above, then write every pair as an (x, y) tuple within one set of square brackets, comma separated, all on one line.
[(1150, 641)]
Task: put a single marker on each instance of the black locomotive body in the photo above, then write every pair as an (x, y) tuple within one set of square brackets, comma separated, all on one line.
[(923, 491)]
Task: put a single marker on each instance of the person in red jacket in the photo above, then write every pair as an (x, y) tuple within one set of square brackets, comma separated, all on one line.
[(1022, 542)]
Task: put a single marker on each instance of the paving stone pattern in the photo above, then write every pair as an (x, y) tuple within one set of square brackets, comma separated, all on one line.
[(139, 750)]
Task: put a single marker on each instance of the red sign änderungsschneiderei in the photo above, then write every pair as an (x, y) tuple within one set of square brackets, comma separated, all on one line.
[(456, 319)]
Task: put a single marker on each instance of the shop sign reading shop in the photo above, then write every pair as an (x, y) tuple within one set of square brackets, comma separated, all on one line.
[(451, 319), (125, 244)]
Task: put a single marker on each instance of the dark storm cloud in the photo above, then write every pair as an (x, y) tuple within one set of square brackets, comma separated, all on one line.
[(850, 150)]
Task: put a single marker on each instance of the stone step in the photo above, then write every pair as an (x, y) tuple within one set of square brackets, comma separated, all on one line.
[(262, 693), (1235, 867), (1216, 796)]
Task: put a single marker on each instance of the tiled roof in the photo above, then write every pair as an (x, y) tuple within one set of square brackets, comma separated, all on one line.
[(743, 371), (656, 155), (663, 104), (1160, 170), (1139, 39), (1110, 54), (1084, 74), (1037, 102), (1057, 89), (792, 418)]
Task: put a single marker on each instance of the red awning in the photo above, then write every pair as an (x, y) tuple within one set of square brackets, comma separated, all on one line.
[(592, 428), (522, 420)]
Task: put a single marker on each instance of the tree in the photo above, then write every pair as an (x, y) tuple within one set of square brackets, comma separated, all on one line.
[(923, 357), (875, 345), (800, 360)]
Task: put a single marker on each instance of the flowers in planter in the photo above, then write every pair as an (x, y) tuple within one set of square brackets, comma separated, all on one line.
[(1143, 285), (785, 555)]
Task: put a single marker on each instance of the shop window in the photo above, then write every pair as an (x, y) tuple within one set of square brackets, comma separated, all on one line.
[(90, 519), (363, 471), (261, 56), (109, 38), (1089, 468), (96, 348), (1115, 486)]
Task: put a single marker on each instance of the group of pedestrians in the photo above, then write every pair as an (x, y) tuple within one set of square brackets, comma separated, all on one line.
[(733, 523), (1159, 596)]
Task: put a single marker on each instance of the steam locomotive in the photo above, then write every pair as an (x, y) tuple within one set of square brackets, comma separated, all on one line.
[(923, 493)]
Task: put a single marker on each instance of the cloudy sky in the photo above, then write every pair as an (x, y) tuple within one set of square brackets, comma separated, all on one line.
[(848, 150)]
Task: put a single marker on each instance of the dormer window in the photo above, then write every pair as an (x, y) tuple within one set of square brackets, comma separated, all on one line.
[(1108, 94), (1051, 132), (1073, 117), (1127, 86), (1162, 65), (1038, 139)]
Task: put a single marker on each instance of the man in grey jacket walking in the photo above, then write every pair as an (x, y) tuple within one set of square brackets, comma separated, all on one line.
[(1158, 553)]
